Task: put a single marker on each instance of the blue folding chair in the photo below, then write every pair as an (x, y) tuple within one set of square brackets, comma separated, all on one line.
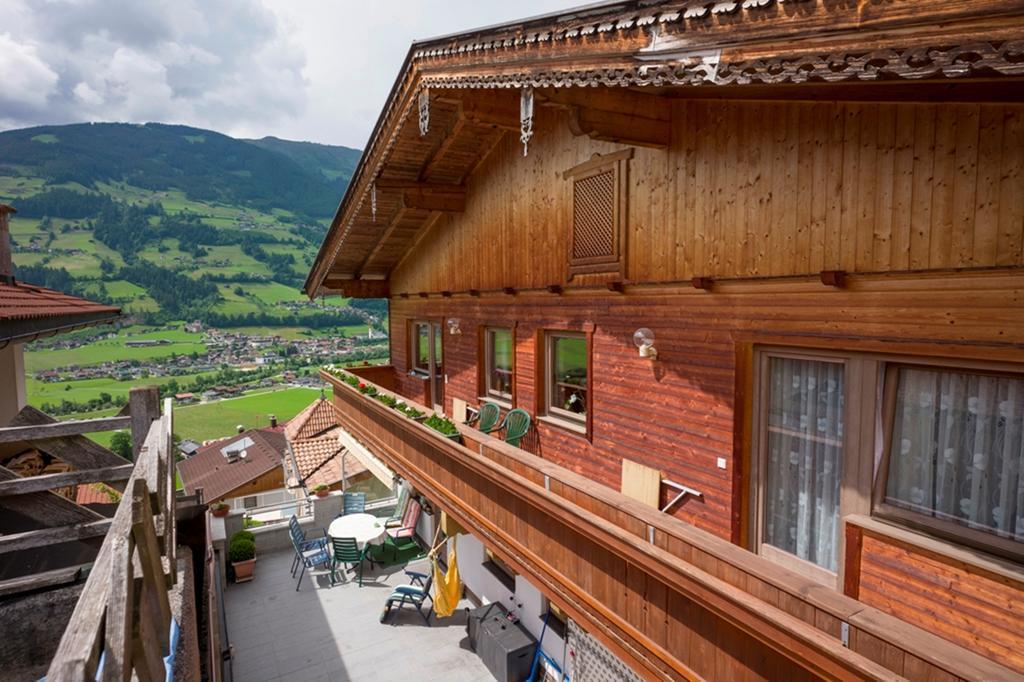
[(353, 503), (317, 555), (302, 541)]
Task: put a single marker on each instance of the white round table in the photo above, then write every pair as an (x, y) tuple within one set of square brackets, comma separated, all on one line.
[(365, 528)]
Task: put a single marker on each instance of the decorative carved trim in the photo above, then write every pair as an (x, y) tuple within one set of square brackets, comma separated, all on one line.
[(975, 59)]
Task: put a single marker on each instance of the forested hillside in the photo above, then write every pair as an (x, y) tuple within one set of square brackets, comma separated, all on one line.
[(172, 222)]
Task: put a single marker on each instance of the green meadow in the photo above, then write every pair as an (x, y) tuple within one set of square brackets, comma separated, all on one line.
[(218, 419)]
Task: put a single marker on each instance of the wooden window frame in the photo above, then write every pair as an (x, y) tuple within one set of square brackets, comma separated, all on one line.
[(487, 361), (414, 338), (951, 531), (870, 395), (557, 416), (615, 263), (855, 474)]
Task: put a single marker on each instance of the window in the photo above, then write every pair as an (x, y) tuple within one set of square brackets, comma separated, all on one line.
[(804, 459), (955, 455), (500, 570), (567, 377), (933, 445), (250, 502), (498, 364), (598, 214), (420, 351)]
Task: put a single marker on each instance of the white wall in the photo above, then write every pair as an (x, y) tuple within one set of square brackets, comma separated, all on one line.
[(528, 600), (12, 378)]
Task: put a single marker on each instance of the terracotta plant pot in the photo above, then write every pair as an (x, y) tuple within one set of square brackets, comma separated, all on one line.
[(244, 570), (322, 493), (220, 512)]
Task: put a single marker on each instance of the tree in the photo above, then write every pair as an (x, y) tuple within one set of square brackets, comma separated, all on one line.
[(121, 444)]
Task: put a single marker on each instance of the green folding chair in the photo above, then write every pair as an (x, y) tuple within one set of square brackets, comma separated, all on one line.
[(516, 425), (487, 419), (346, 551)]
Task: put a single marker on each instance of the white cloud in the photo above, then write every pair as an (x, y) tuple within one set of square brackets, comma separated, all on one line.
[(315, 70), (27, 80)]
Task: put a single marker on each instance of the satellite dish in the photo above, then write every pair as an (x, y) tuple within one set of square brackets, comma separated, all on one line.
[(243, 454)]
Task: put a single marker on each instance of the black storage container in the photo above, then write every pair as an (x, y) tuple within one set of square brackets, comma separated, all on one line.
[(506, 648)]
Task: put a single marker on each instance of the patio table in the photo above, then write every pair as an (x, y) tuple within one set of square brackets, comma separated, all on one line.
[(365, 528)]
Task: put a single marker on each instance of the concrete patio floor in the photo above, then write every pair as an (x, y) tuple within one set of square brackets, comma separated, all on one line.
[(334, 633)]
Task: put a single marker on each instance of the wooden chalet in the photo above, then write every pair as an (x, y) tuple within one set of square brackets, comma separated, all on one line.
[(758, 264)]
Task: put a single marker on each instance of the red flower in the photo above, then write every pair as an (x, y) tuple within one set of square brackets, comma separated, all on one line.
[(362, 385)]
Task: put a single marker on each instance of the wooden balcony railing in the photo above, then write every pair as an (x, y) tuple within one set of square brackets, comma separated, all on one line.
[(123, 616), (669, 599)]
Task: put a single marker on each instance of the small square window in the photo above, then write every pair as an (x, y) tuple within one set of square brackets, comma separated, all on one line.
[(250, 502)]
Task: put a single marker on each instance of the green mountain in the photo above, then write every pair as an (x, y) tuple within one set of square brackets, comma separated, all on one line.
[(172, 222), (300, 177)]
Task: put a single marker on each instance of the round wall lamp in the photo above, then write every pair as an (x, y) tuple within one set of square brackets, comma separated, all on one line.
[(643, 338), (453, 326)]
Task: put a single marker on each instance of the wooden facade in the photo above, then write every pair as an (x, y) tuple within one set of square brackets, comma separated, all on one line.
[(761, 202)]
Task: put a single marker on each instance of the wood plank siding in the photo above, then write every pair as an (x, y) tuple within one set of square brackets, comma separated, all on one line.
[(751, 189)]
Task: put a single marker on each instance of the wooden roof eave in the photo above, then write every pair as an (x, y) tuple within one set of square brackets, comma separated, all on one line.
[(818, 58)]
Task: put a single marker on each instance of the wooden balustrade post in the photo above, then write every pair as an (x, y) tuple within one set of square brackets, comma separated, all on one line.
[(144, 408)]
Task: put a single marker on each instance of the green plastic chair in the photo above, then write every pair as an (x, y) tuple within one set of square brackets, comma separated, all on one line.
[(488, 418), (346, 551), (516, 424), (403, 498)]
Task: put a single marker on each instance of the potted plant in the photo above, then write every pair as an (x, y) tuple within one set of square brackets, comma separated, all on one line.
[(321, 490), (446, 427), (242, 553), (220, 509)]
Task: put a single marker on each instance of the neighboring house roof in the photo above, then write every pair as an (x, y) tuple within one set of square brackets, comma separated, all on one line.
[(314, 421), (211, 468), (28, 311), (319, 462), (96, 493), (188, 447)]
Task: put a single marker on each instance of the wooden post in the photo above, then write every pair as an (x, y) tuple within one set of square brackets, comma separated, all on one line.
[(143, 407), (6, 266)]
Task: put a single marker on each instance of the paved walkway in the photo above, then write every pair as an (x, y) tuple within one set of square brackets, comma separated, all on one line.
[(334, 633)]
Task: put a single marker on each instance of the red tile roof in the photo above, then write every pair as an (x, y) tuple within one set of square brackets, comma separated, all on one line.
[(96, 493), (26, 301), (312, 422), (22, 303), (211, 470)]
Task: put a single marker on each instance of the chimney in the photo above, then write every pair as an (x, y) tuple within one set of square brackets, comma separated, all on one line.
[(273, 421), (6, 265)]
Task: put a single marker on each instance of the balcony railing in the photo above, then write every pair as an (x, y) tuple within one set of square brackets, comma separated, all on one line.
[(671, 600), (116, 628)]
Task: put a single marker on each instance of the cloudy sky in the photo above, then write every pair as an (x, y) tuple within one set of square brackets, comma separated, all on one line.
[(314, 70)]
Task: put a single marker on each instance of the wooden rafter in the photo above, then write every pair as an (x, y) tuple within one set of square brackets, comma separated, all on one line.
[(447, 201), (392, 224), (45, 508), (78, 451), (622, 116), (444, 144)]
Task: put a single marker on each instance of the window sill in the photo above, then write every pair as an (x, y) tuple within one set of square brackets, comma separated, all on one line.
[(946, 549), (500, 402), (565, 424)]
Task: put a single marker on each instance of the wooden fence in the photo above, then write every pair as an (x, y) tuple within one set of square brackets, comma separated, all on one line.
[(671, 600), (122, 620)]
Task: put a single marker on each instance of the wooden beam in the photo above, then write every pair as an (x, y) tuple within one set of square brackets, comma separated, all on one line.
[(448, 201), (492, 115), (13, 434), (35, 484), (392, 224), (45, 508), (37, 581), (144, 409), (386, 184), (616, 115), (360, 288), (78, 451), (16, 542), (442, 148)]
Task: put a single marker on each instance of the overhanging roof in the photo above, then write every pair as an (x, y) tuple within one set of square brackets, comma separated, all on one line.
[(405, 181), (28, 311)]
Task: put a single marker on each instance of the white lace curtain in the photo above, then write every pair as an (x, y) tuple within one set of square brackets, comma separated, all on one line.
[(805, 451), (957, 449)]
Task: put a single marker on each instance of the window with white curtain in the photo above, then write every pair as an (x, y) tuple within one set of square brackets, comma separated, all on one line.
[(956, 450), (803, 458)]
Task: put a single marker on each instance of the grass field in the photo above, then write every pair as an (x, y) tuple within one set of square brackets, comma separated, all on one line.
[(86, 389), (214, 420), (182, 343)]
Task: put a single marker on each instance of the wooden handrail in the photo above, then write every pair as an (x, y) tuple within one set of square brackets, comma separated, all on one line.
[(34, 484), (779, 609), (108, 620), (11, 434)]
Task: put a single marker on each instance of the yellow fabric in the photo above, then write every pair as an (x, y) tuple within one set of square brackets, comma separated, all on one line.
[(447, 586)]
